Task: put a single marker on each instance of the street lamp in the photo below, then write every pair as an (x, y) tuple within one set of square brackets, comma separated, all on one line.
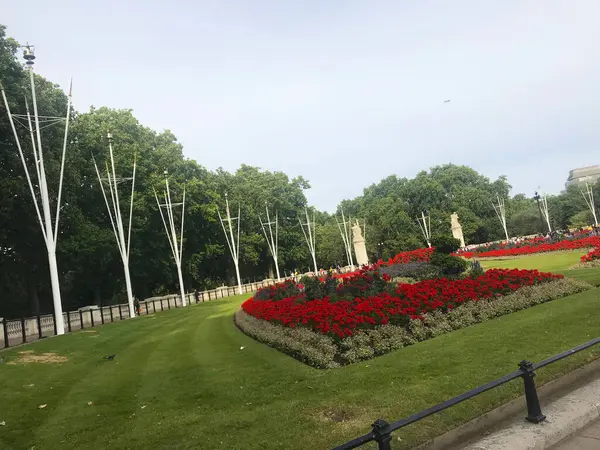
[(380, 250)]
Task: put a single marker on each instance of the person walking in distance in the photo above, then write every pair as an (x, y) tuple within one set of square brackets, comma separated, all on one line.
[(137, 306)]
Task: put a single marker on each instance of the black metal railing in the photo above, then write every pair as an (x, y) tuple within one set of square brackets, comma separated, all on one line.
[(381, 432)]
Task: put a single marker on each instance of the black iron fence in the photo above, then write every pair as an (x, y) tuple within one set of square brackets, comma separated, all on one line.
[(28, 329), (23, 330), (381, 432)]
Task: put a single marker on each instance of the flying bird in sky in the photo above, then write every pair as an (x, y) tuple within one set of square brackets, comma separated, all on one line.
[(446, 101)]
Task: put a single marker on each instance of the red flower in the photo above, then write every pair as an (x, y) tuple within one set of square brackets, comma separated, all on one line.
[(346, 317)]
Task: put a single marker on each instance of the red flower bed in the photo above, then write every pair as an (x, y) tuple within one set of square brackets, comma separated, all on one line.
[(419, 255), (407, 301), (592, 255), (574, 244)]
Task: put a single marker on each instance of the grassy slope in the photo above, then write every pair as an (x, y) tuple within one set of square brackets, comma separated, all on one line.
[(202, 391)]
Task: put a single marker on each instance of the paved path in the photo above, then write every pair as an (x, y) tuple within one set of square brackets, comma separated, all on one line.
[(588, 438)]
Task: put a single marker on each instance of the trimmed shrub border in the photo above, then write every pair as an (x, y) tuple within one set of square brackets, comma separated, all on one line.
[(321, 351)]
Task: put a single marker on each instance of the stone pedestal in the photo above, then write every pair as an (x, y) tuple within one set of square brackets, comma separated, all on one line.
[(457, 232), (360, 250)]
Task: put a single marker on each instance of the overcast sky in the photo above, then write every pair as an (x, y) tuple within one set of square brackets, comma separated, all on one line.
[(341, 92)]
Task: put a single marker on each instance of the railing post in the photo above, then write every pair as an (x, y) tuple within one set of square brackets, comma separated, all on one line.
[(534, 411), (112, 319), (81, 319), (383, 434), (153, 306), (6, 344), (39, 324), (23, 332), (69, 321), (102, 314), (175, 301), (120, 311), (92, 317), (162, 306), (54, 325)]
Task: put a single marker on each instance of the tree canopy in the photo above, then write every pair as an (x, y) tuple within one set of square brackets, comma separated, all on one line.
[(89, 263)]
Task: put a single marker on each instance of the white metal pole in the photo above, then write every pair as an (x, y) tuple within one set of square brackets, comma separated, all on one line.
[(181, 287), (272, 242), (310, 236), (546, 212), (50, 240), (501, 213), (588, 195), (22, 156), (174, 239), (175, 244), (235, 246), (346, 239), (425, 225), (119, 219), (62, 163)]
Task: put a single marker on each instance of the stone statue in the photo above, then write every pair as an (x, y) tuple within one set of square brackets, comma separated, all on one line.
[(360, 250), (457, 229)]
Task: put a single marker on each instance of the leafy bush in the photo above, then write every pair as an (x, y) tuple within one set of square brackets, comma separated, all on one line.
[(416, 270), (364, 284), (279, 291), (475, 269), (445, 244), (313, 288), (448, 264)]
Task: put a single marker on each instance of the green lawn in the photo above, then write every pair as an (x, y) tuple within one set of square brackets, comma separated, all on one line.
[(545, 262), (182, 380), (549, 262)]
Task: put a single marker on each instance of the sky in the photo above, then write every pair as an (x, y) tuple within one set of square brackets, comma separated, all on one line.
[(345, 92)]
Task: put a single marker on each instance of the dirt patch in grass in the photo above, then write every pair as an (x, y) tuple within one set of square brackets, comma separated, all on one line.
[(337, 415), (346, 417), (28, 357)]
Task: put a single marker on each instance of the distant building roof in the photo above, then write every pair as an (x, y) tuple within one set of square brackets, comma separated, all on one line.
[(589, 174)]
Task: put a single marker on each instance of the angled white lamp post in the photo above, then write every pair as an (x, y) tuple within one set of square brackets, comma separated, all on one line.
[(501, 213), (425, 225), (310, 235), (272, 241), (344, 228), (169, 223), (48, 226), (232, 242), (116, 219), (588, 195)]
